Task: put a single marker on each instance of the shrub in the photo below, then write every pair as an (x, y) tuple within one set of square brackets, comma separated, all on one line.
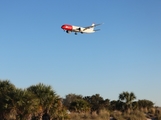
[(117, 115), (159, 117), (135, 115)]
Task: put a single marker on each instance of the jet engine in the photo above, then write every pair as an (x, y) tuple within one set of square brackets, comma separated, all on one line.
[(68, 31), (79, 29)]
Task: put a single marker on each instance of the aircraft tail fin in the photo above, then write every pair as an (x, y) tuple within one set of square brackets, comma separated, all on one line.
[(93, 25)]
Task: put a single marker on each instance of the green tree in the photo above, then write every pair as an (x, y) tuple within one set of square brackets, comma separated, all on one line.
[(116, 105), (25, 104), (127, 98), (96, 102), (71, 98), (79, 105), (7, 91), (48, 99), (58, 111), (145, 104)]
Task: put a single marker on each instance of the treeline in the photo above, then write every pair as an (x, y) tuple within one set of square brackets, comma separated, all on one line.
[(96, 103), (40, 101)]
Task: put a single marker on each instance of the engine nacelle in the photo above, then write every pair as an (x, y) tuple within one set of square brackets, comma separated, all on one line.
[(80, 29), (68, 31)]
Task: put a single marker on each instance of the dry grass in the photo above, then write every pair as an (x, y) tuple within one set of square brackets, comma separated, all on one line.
[(159, 117), (105, 115), (135, 115), (117, 115)]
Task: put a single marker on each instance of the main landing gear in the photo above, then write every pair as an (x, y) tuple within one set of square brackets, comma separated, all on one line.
[(75, 33)]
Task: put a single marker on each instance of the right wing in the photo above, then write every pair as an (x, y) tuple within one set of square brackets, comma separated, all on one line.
[(93, 25)]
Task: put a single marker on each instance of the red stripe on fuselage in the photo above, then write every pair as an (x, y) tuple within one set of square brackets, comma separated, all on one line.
[(67, 27)]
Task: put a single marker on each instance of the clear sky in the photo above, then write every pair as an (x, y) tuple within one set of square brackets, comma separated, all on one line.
[(124, 56)]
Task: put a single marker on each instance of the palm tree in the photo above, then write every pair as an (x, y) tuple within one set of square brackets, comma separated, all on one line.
[(25, 104), (127, 98), (7, 90), (47, 98), (58, 111)]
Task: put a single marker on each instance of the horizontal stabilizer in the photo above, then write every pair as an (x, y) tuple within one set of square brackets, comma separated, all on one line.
[(97, 30), (98, 24)]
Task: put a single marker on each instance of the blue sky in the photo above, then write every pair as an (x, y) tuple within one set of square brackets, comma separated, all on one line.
[(124, 56)]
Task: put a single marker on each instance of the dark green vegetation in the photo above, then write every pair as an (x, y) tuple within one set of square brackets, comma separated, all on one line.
[(39, 101)]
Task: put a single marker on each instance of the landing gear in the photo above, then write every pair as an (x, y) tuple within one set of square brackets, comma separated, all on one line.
[(75, 33)]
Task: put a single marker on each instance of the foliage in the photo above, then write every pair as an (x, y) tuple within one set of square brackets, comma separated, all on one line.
[(127, 98), (158, 113), (7, 91), (145, 104), (135, 115), (71, 98), (104, 115), (41, 100), (30, 103), (79, 105), (48, 102), (116, 105), (25, 103), (117, 115), (96, 102), (159, 117)]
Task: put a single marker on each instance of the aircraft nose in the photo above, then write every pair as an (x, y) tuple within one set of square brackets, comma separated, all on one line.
[(66, 27), (63, 26)]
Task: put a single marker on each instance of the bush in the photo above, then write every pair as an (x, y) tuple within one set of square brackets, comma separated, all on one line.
[(159, 117), (117, 115), (135, 115), (103, 115)]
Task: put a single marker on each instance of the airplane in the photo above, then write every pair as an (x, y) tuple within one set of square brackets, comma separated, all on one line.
[(71, 28)]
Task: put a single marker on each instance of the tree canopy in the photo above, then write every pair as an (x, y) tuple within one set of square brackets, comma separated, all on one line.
[(41, 101)]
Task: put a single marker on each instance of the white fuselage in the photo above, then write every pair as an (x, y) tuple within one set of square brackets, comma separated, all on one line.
[(76, 29)]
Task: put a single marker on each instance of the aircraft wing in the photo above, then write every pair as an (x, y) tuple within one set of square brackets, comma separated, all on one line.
[(88, 27)]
